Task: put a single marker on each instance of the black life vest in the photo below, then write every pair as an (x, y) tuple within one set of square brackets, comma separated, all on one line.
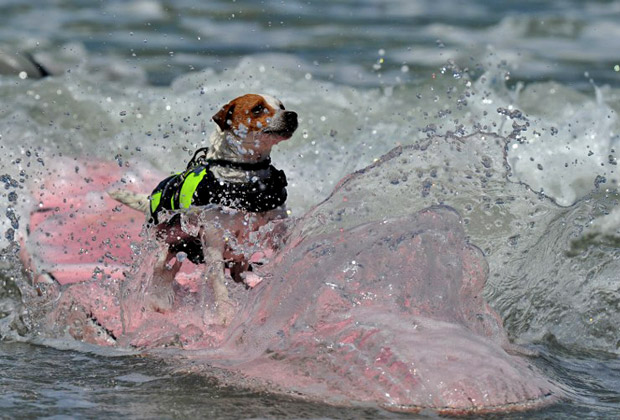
[(198, 186)]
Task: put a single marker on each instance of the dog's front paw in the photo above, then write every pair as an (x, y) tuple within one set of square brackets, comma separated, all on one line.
[(251, 279), (225, 311), (160, 294), (161, 300)]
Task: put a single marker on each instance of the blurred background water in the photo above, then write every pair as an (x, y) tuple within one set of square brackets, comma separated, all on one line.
[(137, 81)]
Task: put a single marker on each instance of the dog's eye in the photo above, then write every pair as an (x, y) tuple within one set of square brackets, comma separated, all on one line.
[(257, 109), (282, 107)]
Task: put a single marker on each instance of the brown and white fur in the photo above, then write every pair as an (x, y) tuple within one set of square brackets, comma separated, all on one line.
[(246, 130)]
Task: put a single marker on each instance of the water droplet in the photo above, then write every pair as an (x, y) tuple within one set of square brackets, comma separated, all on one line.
[(599, 180)]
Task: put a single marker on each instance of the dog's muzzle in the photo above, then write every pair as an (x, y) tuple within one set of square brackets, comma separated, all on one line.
[(286, 125), (290, 122)]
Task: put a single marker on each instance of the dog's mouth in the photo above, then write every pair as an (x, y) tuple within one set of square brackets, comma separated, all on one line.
[(286, 128), (284, 133)]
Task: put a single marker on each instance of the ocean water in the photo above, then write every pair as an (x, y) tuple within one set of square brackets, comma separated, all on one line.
[(530, 89)]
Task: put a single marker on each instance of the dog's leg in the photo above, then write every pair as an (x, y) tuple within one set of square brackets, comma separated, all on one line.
[(161, 293), (213, 246)]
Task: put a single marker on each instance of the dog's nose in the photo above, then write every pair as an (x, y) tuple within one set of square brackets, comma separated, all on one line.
[(290, 119)]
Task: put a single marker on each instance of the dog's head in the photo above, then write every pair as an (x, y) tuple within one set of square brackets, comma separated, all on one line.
[(257, 121)]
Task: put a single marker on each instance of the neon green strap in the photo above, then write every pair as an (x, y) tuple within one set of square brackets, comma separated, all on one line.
[(155, 198), (190, 184)]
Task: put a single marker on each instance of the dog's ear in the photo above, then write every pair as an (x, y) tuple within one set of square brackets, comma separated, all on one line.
[(223, 116)]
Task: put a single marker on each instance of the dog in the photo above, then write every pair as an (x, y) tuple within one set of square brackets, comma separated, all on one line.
[(235, 174)]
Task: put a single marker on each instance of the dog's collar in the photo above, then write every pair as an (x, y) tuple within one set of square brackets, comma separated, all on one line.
[(201, 159), (245, 166)]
